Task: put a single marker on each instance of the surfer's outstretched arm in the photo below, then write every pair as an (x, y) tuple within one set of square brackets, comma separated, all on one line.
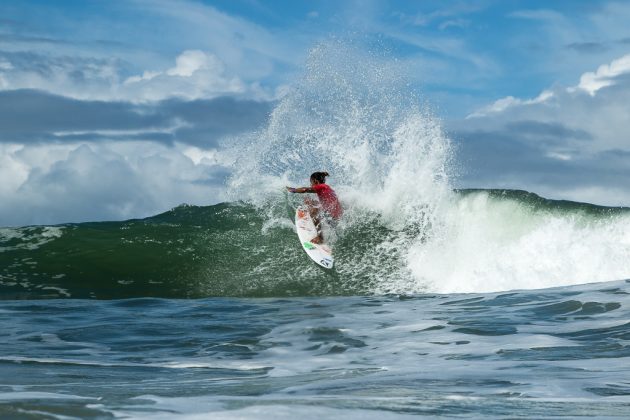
[(313, 205), (300, 190)]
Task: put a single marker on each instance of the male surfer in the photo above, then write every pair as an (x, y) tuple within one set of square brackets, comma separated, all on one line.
[(328, 202)]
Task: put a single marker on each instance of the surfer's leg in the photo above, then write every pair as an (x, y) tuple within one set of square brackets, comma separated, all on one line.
[(318, 239), (324, 223), (313, 208), (318, 225), (317, 221)]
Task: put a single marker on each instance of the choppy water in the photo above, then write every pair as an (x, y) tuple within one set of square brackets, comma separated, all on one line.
[(543, 353)]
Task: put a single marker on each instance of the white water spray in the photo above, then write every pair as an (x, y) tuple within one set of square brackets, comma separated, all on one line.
[(353, 114)]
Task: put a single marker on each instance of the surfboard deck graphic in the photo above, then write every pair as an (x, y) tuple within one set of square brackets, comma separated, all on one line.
[(306, 230)]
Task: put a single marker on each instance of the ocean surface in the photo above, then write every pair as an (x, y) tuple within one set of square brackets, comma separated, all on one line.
[(202, 312), (484, 303)]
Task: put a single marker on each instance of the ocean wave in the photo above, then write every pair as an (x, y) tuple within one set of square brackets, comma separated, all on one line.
[(489, 240)]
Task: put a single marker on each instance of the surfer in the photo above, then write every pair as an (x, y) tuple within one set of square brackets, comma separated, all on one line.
[(328, 202)]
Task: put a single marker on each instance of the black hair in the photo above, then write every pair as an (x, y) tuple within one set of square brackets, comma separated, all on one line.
[(319, 177)]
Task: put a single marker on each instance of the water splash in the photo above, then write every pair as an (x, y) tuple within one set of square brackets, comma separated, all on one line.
[(353, 114), (506, 240)]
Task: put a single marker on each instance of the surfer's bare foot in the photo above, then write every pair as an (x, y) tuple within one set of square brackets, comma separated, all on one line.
[(316, 240)]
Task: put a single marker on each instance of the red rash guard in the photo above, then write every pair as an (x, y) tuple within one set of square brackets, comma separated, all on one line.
[(328, 200)]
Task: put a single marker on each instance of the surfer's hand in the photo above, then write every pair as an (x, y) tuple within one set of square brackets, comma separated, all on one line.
[(291, 189)]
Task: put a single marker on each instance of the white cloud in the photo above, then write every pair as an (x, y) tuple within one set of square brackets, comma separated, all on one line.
[(199, 156), (567, 143), (241, 44), (130, 29), (147, 75), (196, 75), (510, 101), (220, 54), (191, 61), (44, 184), (591, 82)]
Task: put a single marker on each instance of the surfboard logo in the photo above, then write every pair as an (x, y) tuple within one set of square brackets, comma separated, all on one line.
[(325, 262)]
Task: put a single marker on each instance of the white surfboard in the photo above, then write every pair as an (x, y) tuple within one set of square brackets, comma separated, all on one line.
[(320, 253)]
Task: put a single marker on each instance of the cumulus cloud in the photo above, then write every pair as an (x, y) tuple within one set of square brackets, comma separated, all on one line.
[(70, 160), (605, 75), (112, 181), (566, 143), (143, 38), (97, 122), (85, 145), (195, 75)]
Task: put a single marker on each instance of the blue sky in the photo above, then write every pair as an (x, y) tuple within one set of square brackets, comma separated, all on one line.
[(533, 93)]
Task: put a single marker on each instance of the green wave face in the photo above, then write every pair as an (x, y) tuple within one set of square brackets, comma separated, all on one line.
[(188, 252), (240, 250)]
